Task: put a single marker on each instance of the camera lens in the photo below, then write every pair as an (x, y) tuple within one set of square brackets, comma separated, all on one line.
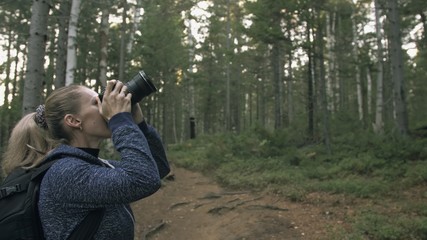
[(140, 86)]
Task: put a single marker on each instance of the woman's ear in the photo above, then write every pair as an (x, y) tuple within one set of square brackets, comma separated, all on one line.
[(71, 121)]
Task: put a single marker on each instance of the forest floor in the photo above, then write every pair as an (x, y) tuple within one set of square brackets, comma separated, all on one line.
[(191, 206)]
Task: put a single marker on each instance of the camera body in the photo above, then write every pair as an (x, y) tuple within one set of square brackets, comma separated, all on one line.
[(140, 86)]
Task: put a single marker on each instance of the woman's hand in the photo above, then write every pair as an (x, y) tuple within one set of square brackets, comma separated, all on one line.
[(116, 99)]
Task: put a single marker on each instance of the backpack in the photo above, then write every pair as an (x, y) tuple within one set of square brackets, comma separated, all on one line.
[(19, 217)]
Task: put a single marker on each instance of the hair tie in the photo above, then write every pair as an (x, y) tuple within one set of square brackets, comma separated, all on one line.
[(39, 118)]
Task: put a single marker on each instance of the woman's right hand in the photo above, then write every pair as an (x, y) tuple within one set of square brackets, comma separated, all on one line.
[(116, 99)]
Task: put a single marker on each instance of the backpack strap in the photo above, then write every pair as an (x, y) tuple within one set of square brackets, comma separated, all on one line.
[(89, 226), (40, 170), (35, 173), (6, 191)]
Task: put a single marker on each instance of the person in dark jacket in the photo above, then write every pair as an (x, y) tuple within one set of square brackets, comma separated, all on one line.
[(80, 182)]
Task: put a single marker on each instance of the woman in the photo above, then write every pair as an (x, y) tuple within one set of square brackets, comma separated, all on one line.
[(27, 145), (79, 182)]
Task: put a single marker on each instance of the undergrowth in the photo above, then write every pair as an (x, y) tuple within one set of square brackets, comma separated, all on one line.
[(361, 165)]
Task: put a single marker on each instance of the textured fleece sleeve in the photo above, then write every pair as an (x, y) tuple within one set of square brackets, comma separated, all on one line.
[(156, 147), (137, 177)]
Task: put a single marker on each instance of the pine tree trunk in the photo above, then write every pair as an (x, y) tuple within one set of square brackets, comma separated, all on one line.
[(290, 89), (36, 53), (378, 126), (310, 85), (358, 77), (397, 68), (191, 90), (72, 42), (369, 90), (322, 87), (331, 75), (104, 46), (278, 86), (135, 25), (227, 69), (61, 56), (123, 42)]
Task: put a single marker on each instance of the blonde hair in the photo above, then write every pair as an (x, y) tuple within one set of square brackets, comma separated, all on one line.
[(60, 102), (27, 146)]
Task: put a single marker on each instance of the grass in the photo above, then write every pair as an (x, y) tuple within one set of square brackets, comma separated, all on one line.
[(361, 166)]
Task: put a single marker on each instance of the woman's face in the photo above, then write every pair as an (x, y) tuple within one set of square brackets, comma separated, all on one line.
[(93, 125)]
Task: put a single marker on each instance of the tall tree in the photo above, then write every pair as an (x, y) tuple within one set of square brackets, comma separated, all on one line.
[(103, 39), (311, 99), (123, 34), (322, 79), (190, 105), (267, 28), (357, 66), (332, 71), (72, 42), (135, 25), (36, 53), (414, 13), (378, 126), (397, 66), (61, 55), (227, 70)]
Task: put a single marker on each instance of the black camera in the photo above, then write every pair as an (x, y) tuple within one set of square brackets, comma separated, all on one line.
[(140, 86)]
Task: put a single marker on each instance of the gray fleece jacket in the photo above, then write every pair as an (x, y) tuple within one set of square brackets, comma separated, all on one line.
[(79, 182)]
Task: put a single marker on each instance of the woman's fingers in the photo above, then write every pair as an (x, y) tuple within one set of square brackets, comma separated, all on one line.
[(116, 99), (109, 87)]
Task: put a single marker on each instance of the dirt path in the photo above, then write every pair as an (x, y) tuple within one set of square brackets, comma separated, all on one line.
[(191, 207)]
